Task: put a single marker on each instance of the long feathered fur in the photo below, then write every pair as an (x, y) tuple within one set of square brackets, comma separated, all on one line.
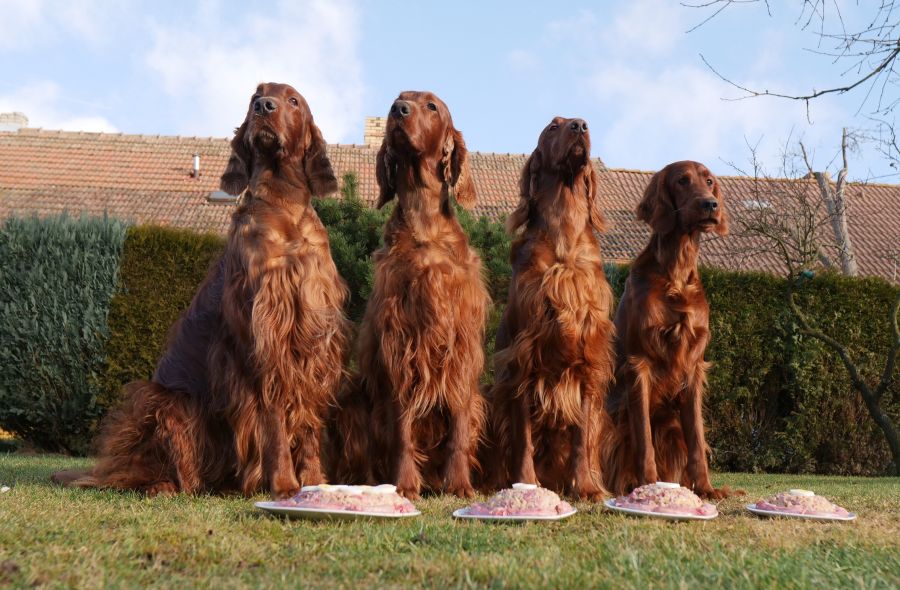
[(239, 397), (554, 357), (414, 413)]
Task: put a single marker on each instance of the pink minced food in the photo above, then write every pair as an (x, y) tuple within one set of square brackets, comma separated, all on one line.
[(666, 499), (801, 503), (522, 500), (382, 499)]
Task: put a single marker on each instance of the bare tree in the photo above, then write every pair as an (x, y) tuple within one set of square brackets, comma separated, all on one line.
[(834, 197), (868, 54), (801, 218)]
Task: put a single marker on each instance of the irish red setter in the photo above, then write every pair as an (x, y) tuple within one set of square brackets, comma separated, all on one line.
[(555, 358), (654, 428), (239, 396), (414, 414)]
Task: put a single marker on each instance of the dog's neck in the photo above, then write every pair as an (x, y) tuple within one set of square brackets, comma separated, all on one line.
[(280, 183), (423, 202), (562, 205), (675, 255)]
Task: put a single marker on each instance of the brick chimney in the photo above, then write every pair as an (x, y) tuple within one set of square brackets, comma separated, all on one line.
[(374, 131), (13, 121)]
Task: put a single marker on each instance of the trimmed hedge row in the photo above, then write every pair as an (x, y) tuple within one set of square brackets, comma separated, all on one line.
[(57, 277), (777, 401)]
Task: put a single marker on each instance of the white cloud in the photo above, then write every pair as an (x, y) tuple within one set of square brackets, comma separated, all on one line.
[(645, 28), (211, 65), (522, 60), (42, 104), (24, 24), (659, 104)]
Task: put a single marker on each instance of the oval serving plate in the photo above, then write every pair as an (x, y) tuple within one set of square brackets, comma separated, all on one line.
[(611, 504), (319, 513), (463, 513), (776, 514)]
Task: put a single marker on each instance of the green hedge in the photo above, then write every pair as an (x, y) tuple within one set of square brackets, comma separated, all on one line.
[(161, 269), (780, 401), (777, 401), (57, 275)]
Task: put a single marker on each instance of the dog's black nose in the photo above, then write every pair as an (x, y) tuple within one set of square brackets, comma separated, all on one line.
[(400, 108), (264, 105), (578, 126), (709, 205)]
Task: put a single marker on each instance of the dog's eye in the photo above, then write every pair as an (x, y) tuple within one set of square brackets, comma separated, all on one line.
[(554, 126), (294, 101), (684, 181), (709, 182), (432, 106)]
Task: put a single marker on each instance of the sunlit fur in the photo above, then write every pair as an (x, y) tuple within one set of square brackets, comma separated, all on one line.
[(653, 424), (554, 357), (239, 396), (414, 414)]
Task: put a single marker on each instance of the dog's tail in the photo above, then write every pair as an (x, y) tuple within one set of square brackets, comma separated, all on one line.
[(348, 446), (616, 454)]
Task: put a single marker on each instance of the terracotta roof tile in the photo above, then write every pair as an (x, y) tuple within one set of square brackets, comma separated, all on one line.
[(146, 179)]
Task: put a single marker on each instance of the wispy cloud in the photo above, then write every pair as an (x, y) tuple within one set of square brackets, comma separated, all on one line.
[(660, 110), (44, 106), (25, 24), (211, 64)]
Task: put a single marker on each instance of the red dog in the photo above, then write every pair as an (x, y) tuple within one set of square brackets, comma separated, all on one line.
[(654, 427), (238, 398), (415, 413), (555, 359)]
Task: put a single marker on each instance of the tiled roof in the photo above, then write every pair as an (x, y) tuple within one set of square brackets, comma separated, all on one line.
[(146, 179)]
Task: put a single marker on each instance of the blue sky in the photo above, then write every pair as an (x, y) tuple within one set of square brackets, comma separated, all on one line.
[(630, 68)]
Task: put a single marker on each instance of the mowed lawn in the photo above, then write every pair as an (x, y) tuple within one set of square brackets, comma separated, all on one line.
[(74, 538)]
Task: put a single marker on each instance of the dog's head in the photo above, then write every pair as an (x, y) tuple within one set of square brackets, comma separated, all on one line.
[(420, 133), (279, 128), (684, 197), (562, 155)]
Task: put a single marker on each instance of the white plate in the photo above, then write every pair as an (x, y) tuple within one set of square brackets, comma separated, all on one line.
[(319, 513), (759, 512), (464, 513), (611, 504)]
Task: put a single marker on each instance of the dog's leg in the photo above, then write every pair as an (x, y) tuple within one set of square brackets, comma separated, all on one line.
[(584, 443), (309, 454), (177, 429), (691, 409), (458, 477), (279, 469), (408, 478), (639, 420), (523, 447)]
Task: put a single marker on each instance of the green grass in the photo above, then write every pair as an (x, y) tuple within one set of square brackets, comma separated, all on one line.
[(74, 538)]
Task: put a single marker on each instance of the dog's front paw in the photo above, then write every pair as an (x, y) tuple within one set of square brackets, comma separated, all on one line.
[(161, 488), (711, 493), (410, 492), (590, 493), (284, 487), (464, 490)]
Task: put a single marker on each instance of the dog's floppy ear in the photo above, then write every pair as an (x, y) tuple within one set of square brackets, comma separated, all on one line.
[(316, 165), (456, 169), (527, 188), (722, 228), (595, 215), (385, 174), (240, 165), (656, 207)]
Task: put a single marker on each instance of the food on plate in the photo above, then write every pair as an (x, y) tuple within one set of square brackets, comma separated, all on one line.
[(522, 500), (382, 499), (667, 498), (801, 502)]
